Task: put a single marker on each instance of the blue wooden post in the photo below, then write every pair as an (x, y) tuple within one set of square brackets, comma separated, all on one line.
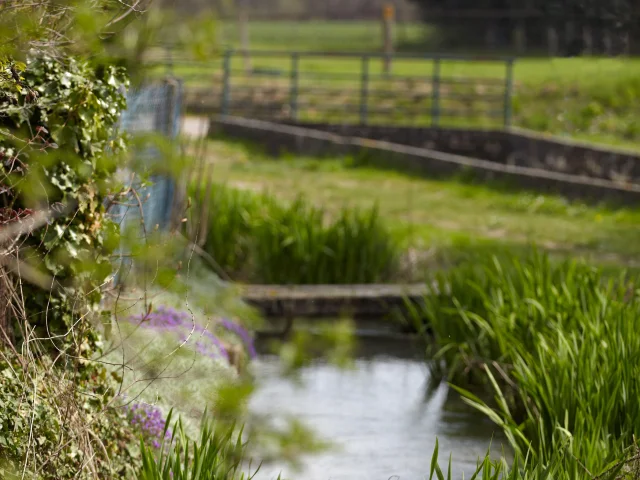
[(293, 101), (508, 93), (364, 90), (435, 93), (226, 83)]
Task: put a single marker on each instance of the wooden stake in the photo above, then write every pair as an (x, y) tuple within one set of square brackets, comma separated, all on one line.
[(388, 15)]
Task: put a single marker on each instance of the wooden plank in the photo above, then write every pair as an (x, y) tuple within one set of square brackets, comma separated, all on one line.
[(310, 292), (327, 301)]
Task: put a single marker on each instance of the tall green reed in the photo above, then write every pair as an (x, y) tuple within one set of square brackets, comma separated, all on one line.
[(218, 453), (555, 344), (528, 468), (231, 216), (256, 237)]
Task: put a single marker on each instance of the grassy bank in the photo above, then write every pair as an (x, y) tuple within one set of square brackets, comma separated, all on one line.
[(556, 346), (442, 219)]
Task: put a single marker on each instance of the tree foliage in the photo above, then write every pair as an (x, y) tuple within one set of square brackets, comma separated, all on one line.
[(570, 18), (614, 11)]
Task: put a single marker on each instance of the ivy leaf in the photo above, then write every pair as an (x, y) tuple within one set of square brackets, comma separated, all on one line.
[(72, 250), (65, 81)]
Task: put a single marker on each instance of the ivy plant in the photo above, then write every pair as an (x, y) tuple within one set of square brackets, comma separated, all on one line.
[(57, 145)]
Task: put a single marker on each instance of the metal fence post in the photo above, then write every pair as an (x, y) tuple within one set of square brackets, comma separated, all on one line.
[(169, 63), (435, 93), (226, 83), (293, 101), (364, 90), (508, 92)]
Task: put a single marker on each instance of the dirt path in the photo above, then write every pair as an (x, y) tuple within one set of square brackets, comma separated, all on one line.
[(194, 127)]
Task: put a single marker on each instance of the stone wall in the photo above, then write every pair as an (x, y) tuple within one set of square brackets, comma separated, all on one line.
[(509, 147), (278, 139)]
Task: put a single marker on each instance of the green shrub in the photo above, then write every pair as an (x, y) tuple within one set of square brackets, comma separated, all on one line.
[(57, 121), (55, 133)]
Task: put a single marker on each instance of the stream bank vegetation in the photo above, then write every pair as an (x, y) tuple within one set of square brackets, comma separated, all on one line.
[(85, 361), (555, 345)]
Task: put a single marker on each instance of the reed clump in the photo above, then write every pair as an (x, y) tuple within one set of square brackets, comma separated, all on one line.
[(557, 347), (256, 237)]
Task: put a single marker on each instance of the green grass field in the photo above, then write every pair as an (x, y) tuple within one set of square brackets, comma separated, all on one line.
[(357, 36), (441, 219), (593, 99)]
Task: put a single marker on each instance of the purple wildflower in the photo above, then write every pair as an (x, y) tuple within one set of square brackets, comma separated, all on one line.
[(150, 421), (168, 319), (242, 333)]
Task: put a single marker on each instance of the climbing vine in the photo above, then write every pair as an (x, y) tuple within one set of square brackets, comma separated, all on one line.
[(57, 146)]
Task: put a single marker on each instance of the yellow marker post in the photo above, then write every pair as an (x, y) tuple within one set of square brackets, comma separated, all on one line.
[(388, 12)]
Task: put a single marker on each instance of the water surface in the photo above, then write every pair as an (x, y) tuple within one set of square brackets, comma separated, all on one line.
[(382, 416)]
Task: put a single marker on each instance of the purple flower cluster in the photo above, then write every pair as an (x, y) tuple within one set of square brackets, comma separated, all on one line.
[(150, 421), (168, 319), (206, 343), (242, 333)]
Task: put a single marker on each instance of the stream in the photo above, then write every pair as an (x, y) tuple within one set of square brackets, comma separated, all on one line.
[(381, 417)]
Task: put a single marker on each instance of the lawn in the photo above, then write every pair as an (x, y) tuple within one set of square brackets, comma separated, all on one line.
[(441, 218), (364, 37), (356, 36)]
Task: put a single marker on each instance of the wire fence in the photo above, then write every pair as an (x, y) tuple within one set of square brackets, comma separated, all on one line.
[(433, 90)]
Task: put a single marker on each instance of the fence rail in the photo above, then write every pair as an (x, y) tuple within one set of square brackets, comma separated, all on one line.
[(426, 89)]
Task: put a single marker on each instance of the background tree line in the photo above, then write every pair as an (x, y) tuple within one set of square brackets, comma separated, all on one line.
[(568, 27)]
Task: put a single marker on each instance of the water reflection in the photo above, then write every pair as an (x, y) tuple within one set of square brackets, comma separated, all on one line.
[(383, 415)]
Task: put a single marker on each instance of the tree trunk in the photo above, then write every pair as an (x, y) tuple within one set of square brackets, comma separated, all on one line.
[(552, 40), (520, 37), (588, 40)]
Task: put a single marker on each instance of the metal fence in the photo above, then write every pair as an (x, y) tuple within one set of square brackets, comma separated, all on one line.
[(370, 88), (151, 109)]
